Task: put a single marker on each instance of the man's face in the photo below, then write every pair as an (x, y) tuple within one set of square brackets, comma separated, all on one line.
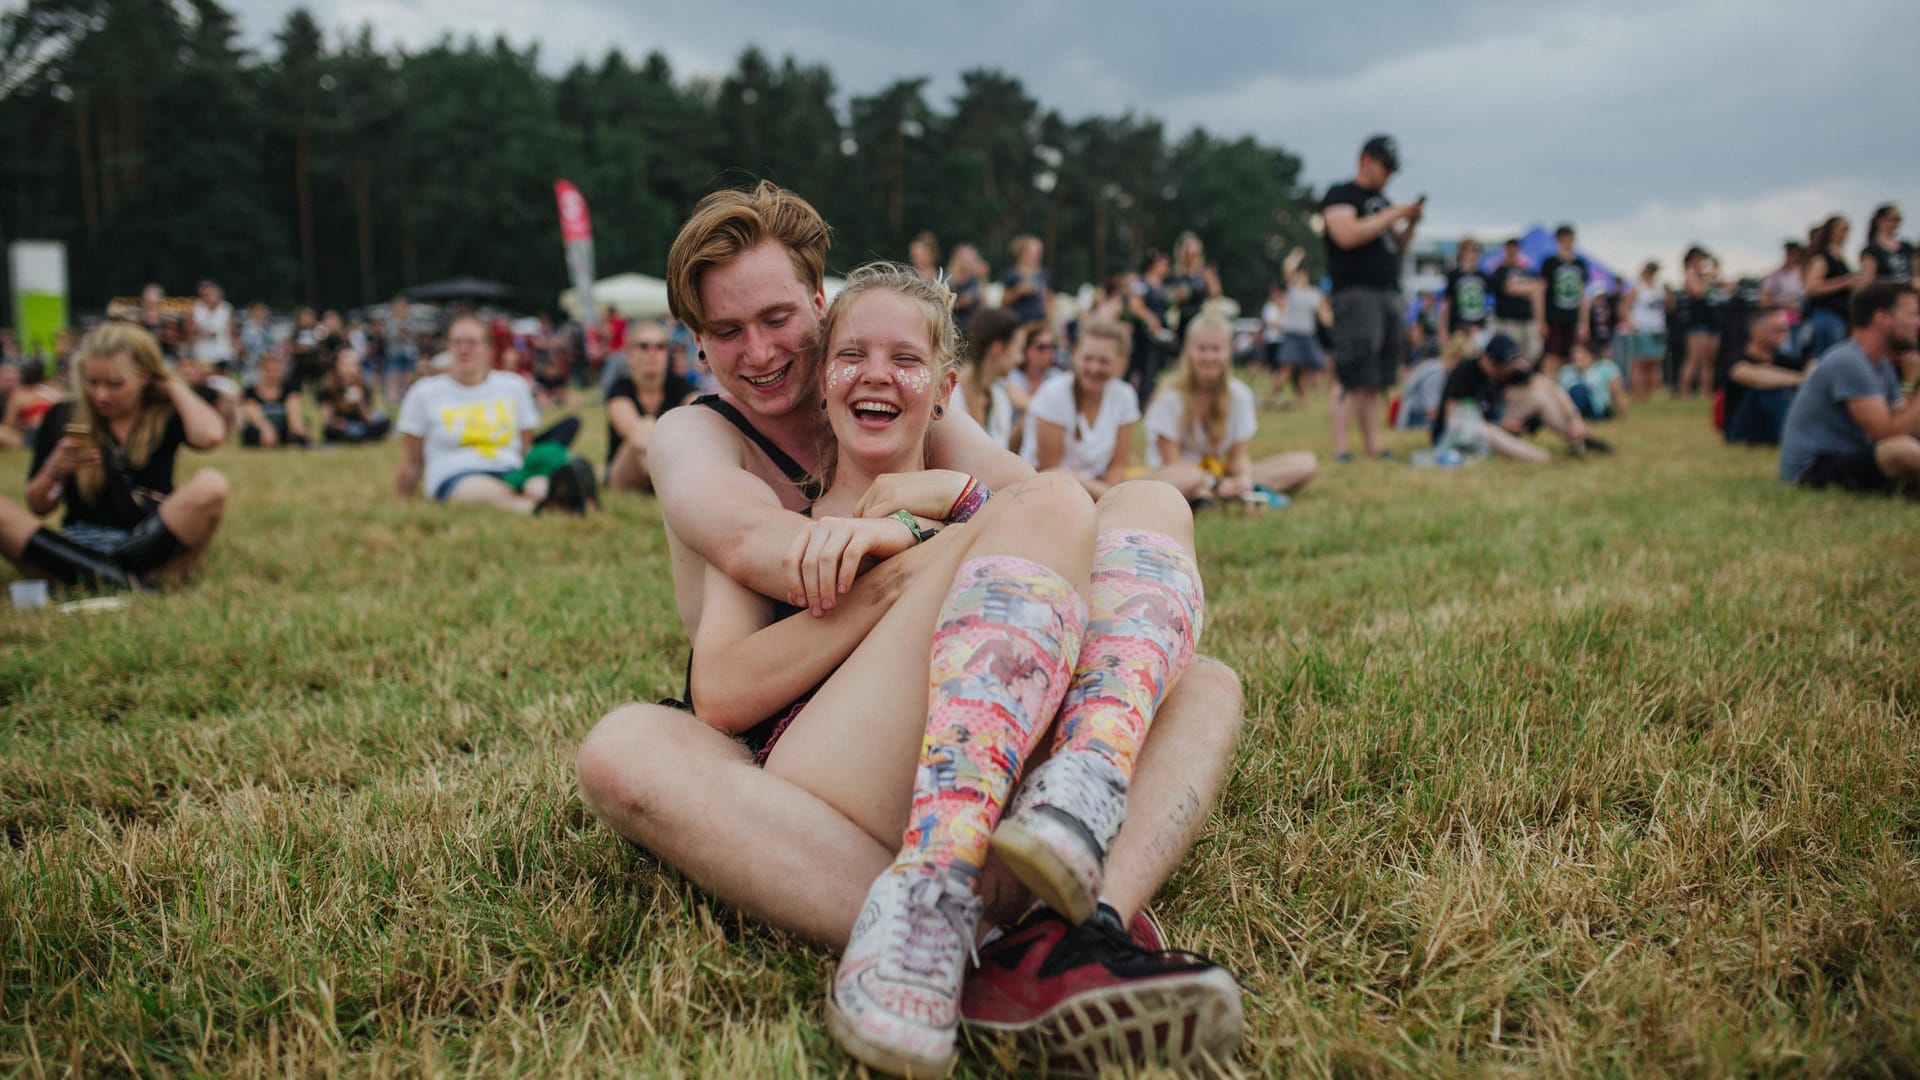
[(762, 334), (1904, 328), (1770, 332), (1510, 254), (1373, 172), (647, 354), (1565, 240)]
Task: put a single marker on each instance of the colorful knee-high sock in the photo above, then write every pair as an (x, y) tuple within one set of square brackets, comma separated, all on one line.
[(1002, 652), (1144, 612)]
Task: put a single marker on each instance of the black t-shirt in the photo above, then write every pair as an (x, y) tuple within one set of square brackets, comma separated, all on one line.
[(672, 394), (1468, 302), (1723, 375), (1374, 264), (274, 409), (1031, 307), (1603, 315), (1566, 283), (1895, 265), (1514, 308), (1835, 302), (129, 494), (1705, 312), (1468, 381)]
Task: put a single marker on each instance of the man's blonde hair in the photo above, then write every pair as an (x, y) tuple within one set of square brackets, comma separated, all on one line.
[(727, 224)]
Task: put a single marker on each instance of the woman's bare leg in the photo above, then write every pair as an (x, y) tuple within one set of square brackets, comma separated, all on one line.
[(192, 514), (493, 491), (1286, 473)]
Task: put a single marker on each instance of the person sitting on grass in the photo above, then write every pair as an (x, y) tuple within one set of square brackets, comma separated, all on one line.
[(211, 387), (993, 351), (271, 413), (347, 413), (1594, 386), (1850, 426), (29, 403), (107, 457), (1000, 612), (1083, 425), (1200, 421), (1759, 384), (1479, 413), (635, 401), (469, 435), (798, 848)]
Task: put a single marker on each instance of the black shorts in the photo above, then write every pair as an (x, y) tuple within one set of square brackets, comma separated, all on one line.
[(1369, 337), (1848, 472), (1560, 339)]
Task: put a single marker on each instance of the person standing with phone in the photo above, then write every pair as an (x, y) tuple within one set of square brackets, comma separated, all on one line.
[(1366, 238)]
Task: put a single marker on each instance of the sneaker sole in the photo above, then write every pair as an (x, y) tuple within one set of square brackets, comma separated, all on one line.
[(876, 1056), (1034, 861), (1188, 1023)]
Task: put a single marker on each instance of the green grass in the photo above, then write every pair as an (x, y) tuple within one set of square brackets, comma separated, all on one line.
[(1601, 768)]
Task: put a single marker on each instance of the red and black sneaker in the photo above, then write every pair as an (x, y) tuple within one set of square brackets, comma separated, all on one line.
[(1082, 998)]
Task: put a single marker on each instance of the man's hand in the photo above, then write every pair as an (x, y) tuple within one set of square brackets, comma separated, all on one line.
[(928, 494), (825, 558)]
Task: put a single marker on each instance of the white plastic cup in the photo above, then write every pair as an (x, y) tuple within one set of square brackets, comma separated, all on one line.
[(31, 593)]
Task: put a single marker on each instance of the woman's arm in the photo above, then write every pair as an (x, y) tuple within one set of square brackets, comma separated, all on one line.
[(1819, 284), (413, 457), (1239, 478), (1122, 458), (623, 417), (1137, 307), (205, 430), (1049, 444), (1619, 398), (296, 414), (1869, 269)]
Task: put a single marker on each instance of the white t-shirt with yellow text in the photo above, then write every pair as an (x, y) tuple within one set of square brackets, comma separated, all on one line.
[(469, 428)]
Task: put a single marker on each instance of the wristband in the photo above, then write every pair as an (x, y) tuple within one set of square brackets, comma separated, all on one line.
[(972, 498), (920, 535)]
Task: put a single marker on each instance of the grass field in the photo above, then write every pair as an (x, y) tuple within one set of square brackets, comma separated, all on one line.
[(1604, 767)]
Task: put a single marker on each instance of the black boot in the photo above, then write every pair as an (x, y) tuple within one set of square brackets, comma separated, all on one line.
[(150, 546), (71, 564)]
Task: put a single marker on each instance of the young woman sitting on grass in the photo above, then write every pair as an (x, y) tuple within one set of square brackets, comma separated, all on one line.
[(271, 413), (107, 457), (993, 350), (1200, 421), (1083, 426), (347, 414), (1038, 615), (469, 435)]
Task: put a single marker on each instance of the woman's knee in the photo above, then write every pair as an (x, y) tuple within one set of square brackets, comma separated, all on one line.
[(207, 492), (1146, 504)]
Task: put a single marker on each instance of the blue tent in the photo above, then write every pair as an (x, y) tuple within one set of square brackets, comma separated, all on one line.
[(1536, 244)]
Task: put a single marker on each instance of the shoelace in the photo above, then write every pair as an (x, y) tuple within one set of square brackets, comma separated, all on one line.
[(939, 919)]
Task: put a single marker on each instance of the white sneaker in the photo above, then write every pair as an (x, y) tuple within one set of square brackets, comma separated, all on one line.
[(1063, 821), (895, 1001)]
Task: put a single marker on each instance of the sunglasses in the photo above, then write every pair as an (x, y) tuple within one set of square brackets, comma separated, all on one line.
[(649, 345)]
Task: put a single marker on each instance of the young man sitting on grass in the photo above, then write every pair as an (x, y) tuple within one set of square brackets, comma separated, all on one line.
[(1487, 382), (1850, 425), (1759, 385), (734, 476)]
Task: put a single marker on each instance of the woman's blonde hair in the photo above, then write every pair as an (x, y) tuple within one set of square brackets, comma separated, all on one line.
[(936, 302), (1208, 417), (150, 423)]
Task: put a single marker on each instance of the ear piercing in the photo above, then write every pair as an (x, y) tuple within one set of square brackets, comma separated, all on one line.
[(939, 411)]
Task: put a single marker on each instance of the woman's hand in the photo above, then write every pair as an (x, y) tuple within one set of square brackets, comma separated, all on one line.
[(1232, 487), (71, 455), (928, 494), (823, 560)]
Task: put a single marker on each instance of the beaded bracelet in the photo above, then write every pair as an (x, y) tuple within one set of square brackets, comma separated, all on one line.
[(972, 498)]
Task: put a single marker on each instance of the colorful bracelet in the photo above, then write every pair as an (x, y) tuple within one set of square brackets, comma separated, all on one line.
[(972, 498)]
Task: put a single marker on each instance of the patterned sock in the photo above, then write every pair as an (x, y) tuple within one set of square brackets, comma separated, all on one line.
[(1143, 620), (1002, 651)]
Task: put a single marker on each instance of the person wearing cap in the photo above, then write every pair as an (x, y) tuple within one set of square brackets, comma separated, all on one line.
[(1488, 384), (1366, 238)]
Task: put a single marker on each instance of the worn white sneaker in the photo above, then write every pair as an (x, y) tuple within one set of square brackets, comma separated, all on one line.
[(1056, 835), (895, 1001)]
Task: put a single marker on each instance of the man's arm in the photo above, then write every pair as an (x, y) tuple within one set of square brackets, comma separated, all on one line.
[(1763, 376), (1350, 230), (725, 513), (960, 444), (622, 417), (1881, 422)]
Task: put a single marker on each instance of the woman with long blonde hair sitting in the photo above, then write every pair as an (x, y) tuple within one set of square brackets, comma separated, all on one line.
[(107, 456), (1200, 422)]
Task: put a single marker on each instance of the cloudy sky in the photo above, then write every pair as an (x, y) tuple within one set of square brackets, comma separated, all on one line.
[(1651, 125)]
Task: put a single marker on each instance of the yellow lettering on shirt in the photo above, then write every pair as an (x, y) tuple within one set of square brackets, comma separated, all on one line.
[(485, 426)]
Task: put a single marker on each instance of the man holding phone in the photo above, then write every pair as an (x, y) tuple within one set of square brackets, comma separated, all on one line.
[(1366, 239)]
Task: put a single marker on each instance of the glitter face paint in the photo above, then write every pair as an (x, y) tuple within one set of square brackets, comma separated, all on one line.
[(838, 373), (913, 380)]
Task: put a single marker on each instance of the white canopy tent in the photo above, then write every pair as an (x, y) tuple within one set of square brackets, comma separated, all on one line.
[(639, 296)]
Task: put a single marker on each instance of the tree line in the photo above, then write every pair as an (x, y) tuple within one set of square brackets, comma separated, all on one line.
[(335, 172)]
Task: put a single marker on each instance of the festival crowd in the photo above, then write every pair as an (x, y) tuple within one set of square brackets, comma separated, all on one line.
[(911, 513)]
